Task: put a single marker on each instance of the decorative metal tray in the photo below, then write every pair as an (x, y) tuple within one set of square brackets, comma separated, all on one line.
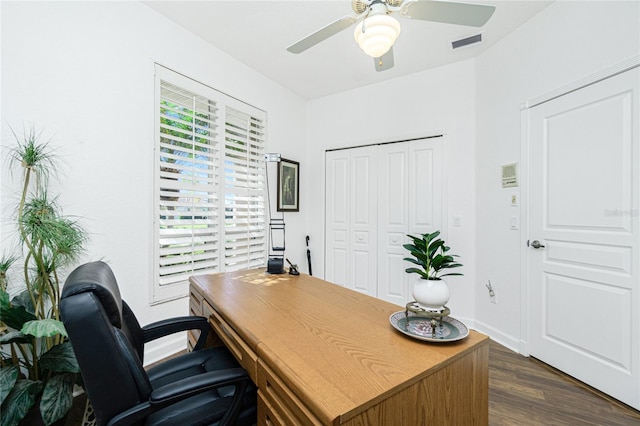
[(448, 329)]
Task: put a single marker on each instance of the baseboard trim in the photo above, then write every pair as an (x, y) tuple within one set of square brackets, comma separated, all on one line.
[(166, 348), (469, 322), (506, 340)]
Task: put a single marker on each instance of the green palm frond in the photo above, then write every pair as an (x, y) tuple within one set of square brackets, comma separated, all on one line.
[(33, 155), (61, 238), (5, 263)]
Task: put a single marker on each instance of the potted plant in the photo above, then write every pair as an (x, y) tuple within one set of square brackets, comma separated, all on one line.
[(38, 368), (430, 254)]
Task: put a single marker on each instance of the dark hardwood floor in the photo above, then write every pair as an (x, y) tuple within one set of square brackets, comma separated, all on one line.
[(524, 391)]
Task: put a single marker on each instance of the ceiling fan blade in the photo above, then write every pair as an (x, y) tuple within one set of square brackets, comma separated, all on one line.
[(384, 62), (473, 15), (322, 34)]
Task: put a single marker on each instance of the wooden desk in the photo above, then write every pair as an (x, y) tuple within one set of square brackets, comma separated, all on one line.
[(324, 354)]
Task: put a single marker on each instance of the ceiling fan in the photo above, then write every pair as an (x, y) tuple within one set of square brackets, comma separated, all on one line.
[(377, 30)]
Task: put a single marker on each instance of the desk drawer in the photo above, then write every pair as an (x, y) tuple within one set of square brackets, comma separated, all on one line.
[(243, 353), (195, 307), (268, 415), (277, 404)]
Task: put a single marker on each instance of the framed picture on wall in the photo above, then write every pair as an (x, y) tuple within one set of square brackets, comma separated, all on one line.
[(288, 186)]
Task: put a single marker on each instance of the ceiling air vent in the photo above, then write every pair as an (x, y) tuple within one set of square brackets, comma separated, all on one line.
[(466, 41)]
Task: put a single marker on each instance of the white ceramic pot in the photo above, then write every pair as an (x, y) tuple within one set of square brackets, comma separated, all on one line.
[(431, 294)]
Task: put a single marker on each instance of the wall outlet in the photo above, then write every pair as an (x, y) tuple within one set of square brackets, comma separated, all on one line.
[(492, 293)]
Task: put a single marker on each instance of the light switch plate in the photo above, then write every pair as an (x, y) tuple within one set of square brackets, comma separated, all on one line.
[(515, 223)]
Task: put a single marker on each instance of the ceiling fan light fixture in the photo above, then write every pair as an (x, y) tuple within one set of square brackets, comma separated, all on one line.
[(376, 34)]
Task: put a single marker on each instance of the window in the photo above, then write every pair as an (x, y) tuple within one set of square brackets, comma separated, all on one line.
[(209, 191)]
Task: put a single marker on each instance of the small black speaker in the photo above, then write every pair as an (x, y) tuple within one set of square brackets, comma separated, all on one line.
[(275, 265)]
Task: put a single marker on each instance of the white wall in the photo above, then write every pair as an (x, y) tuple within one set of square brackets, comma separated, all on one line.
[(565, 42), (439, 101), (83, 73)]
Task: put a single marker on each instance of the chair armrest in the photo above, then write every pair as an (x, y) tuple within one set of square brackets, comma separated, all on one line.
[(132, 416), (174, 392), (181, 389), (173, 325)]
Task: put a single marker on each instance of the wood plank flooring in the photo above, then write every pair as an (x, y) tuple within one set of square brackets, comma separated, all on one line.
[(524, 391)]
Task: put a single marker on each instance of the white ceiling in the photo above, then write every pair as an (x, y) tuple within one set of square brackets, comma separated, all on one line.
[(257, 33)]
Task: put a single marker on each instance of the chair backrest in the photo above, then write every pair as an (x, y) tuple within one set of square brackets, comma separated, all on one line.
[(108, 348)]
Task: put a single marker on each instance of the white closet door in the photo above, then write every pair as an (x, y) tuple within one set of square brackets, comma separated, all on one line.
[(393, 222), (363, 223), (410, 202), (351, 218), (375, 196), (426, 202), (337, 215)]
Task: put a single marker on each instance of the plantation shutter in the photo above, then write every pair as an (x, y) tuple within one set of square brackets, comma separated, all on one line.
[(210, 193), (244, 201), (188, 216)]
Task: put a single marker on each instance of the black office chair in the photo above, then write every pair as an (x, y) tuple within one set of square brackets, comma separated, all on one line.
[(203, 387)]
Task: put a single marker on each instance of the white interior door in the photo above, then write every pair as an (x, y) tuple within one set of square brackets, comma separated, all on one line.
[(584, 277)]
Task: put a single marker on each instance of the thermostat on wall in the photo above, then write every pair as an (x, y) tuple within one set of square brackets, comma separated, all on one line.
[(510, 175)]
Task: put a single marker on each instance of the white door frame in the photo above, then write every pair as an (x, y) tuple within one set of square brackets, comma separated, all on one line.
[(603, 74)]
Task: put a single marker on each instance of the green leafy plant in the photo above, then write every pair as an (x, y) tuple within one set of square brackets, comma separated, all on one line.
[(430, 254), (37, 363)]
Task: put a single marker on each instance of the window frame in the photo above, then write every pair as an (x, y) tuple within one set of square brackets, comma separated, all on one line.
[(257, 240)]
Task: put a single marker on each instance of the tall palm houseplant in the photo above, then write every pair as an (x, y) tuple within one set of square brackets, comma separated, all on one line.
[(38, 368)]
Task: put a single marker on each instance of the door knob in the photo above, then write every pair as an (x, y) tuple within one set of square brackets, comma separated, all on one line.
[(535, 244)]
